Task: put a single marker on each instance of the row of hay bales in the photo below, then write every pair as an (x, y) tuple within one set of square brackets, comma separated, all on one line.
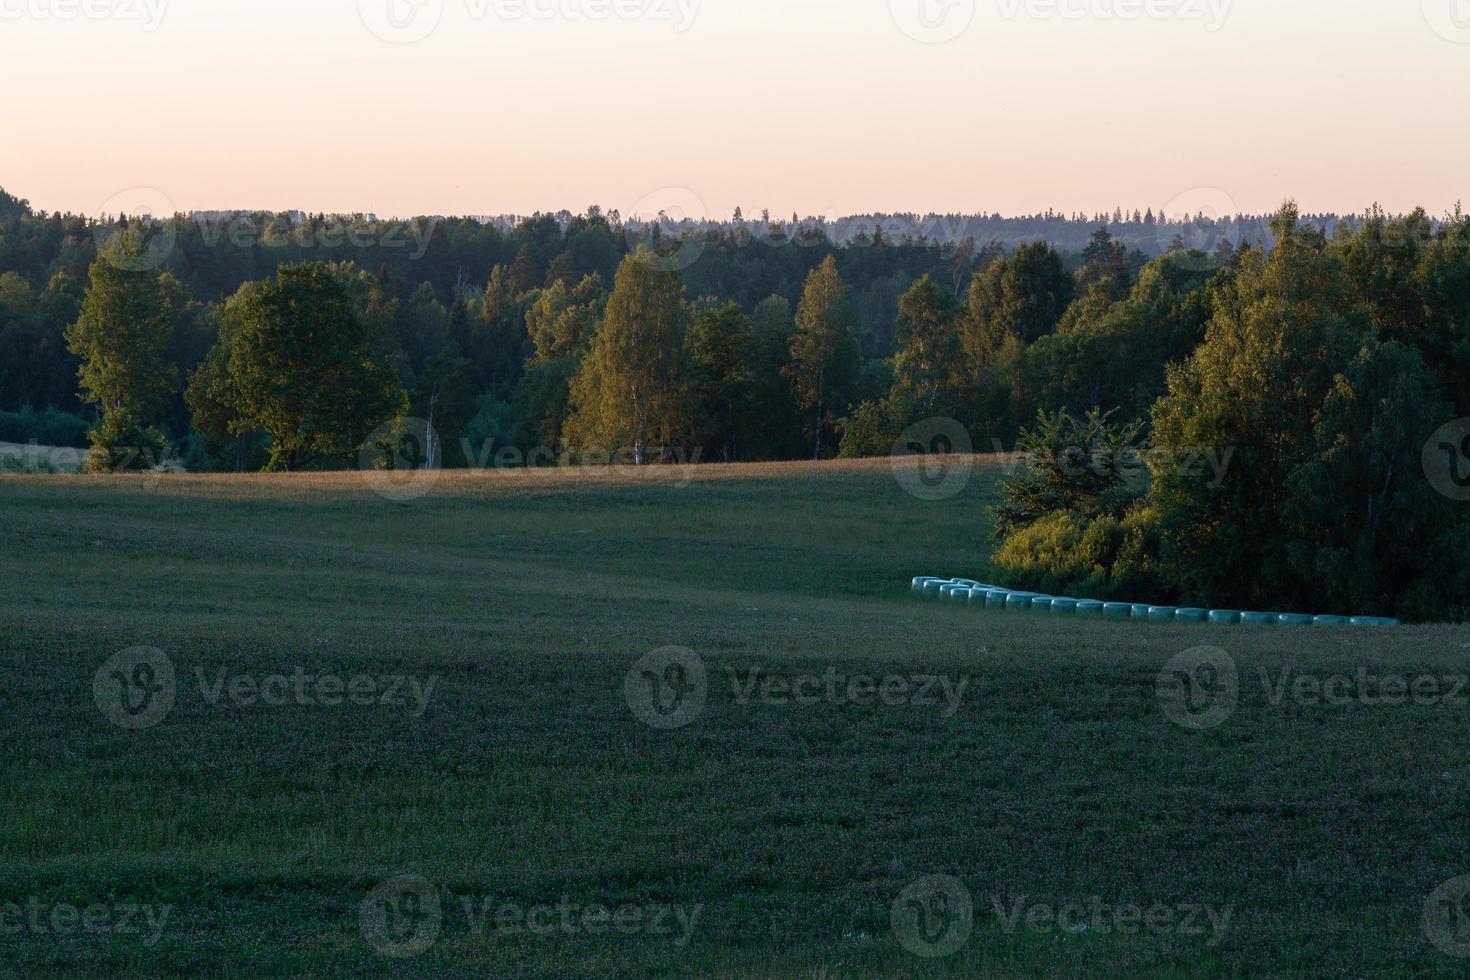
[(981, 596)]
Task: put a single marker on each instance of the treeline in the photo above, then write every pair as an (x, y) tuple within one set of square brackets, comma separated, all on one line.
[(1301, 457), (1309, 374)]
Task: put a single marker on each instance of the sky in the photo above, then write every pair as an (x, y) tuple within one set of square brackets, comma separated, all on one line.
[(822, 107)]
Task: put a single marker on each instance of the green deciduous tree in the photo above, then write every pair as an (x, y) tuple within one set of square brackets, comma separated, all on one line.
[(824, 350), (628, 389), (308, 371), (122, 338), (721, 344)]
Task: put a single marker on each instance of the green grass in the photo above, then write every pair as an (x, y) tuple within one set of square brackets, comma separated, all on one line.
[(528, 779)]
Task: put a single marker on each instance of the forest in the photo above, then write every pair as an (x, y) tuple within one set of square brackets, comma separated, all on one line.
[(1308, 356)]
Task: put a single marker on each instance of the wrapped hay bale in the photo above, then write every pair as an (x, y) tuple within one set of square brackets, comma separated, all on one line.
[(1117, 610), (1161, 614), (1140, 610), (1191, 615), (1330, 620), (1090, 607), (1019, 601), (1294, 619), (997, 598), (1063, 607), (1226, 616), (1258, 619)]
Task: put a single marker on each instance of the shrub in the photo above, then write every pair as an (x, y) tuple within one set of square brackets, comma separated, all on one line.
[(1091, 557), (48, 427)]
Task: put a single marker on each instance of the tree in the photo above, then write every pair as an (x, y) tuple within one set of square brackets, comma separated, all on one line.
[(721, 346), (627, 391), (824, 350), (562, 320), (1022, 295), (929, 369), (1366, 533), (775, 422), (309, 372), (122, 337), (1284, 326), (445, 397)]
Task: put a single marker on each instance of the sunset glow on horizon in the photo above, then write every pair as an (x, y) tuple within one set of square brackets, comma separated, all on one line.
[(822, 107)]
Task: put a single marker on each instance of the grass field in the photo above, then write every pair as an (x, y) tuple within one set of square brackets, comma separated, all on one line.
[(772, 835)]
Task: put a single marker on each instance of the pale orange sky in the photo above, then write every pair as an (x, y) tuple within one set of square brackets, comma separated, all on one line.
[(817, 106)]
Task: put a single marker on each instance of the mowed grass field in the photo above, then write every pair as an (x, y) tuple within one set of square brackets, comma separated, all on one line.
[(783, 830)]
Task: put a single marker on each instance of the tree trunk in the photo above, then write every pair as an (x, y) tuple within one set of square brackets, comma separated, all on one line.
[(817, 440)]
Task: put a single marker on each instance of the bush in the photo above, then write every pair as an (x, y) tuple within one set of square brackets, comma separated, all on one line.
[(867, 434), (1090, 557), (48, 427), (121, 443)]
